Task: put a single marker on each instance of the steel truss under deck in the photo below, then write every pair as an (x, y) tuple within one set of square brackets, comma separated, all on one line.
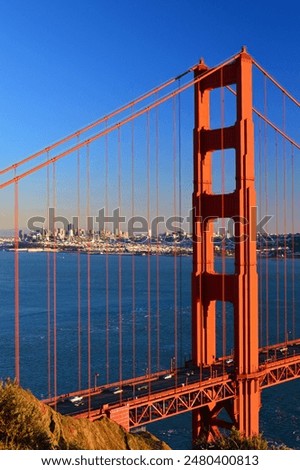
[(215, 394)]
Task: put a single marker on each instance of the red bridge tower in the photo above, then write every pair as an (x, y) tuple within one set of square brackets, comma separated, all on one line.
[(240, 288)]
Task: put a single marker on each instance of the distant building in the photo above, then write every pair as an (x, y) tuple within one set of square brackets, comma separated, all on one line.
[(222, 231)]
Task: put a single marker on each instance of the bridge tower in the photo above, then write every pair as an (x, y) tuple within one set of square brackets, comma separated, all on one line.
[(208, 286)]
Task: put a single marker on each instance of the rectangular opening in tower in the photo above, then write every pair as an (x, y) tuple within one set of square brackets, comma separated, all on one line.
[(223, 107), (223, 171), (224, 246)]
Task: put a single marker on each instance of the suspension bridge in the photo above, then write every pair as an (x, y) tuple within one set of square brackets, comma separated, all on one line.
[(153, 265)]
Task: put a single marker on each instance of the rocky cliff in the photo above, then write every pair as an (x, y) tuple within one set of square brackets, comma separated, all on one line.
[(27, 423)]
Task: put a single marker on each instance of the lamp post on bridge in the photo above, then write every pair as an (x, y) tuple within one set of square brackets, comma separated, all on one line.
[(96, 375)]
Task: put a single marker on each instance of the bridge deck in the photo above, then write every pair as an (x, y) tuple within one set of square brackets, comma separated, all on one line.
[(150, 398)]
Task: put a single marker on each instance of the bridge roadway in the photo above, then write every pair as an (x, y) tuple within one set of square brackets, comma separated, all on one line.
[(145, 399)]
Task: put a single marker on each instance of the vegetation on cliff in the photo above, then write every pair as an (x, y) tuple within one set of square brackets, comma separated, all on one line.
[(27, 423), (235, 441)]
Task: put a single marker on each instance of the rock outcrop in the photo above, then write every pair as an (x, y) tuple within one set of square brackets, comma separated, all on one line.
[(27, 423)]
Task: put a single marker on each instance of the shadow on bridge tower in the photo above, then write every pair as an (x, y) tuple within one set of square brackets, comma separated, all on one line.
[(208, 286)]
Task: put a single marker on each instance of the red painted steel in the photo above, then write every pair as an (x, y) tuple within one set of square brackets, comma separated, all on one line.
[(17, 286), (241, 288), (210, 396)]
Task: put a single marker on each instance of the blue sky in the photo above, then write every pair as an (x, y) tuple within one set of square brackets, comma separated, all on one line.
[(64, 63)]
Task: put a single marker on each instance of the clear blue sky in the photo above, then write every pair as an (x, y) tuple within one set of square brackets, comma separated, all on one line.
[(63, 63)]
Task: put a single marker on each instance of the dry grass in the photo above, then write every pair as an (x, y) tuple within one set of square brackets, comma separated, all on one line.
[(27, 423)]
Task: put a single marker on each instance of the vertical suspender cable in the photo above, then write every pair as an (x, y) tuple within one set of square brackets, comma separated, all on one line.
[(78, 274), (88, 274), (277, 243), (261, 310), (17, 285), (222, 110), (293, 246), (149, 248), (174, 364), (48, 286), (54, 289), (106, 261), (133, 257), (266, 212), (120, 265), (180, 329), (284, 222), (157, 243)]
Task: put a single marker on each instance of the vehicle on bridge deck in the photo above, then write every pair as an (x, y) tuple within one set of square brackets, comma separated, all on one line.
[(142, 387), (76, 400), (114, 390), (168, 376), (229, 361)]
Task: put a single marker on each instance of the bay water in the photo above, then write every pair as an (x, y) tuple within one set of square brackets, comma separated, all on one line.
[(139, 311)]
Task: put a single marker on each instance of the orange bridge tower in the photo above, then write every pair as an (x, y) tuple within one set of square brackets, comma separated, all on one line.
[(208, 286)]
